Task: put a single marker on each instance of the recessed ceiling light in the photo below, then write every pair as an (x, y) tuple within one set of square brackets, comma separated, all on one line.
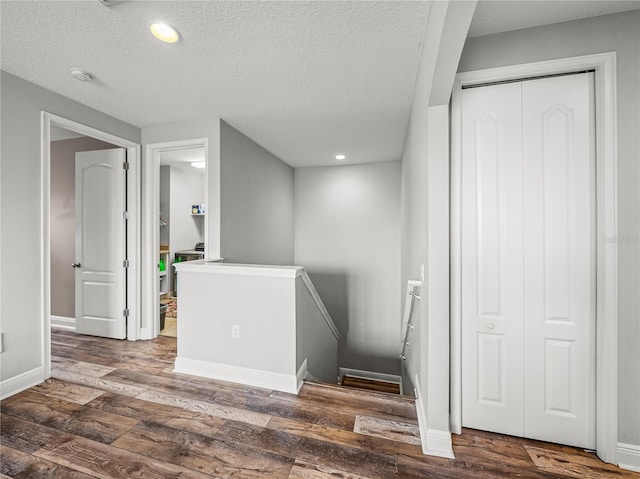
[(340, 157), (198, 164), (164, 32), (80, 74)]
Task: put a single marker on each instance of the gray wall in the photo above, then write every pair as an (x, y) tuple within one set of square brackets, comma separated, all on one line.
[(63, 220), (187, 186), (256, 202), (315, 341), (347, 236), (21, 305), (425, 217), (414, 230), (619, 33), (213, 300)]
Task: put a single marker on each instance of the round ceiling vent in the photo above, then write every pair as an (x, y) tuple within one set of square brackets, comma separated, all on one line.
[(80, 74)]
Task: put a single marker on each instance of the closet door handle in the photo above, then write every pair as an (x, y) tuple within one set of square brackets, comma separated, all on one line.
[(75, 265), (491, 326)]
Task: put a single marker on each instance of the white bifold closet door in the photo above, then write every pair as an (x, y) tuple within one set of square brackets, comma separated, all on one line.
[(528, 259)]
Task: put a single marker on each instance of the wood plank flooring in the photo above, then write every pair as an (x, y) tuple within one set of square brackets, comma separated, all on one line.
[(170, 328), (115, 409)]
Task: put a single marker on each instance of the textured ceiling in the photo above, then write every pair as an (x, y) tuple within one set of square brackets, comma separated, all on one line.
[(306, 80), (495, 16)]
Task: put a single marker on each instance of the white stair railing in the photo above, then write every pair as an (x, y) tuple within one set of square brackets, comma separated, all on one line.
[(413, 294)]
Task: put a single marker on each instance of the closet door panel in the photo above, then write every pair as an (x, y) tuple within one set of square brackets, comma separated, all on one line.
[(492, 321), (559, 259)]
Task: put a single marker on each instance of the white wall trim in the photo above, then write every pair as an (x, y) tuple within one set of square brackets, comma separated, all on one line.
[(382, 377), (151, 231), (237, 269), (302, 374), (316, 298), (438, 444), (133, 246), (604, 65), (434, 442), (287, 383), (629, 457), (21, 382), (63, 322), (45, 245)]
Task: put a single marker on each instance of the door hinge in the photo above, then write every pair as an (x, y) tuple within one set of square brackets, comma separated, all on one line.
[(125, 313), (125, 165), (125, 215), (125, 263)]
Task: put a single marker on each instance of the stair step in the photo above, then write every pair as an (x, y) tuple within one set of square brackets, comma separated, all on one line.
[(374, 401), (370, 384)]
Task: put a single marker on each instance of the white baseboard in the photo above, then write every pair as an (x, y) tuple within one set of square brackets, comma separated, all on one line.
[(21, 382), (629, 457), (63, 322), (358, 373), (302, 374), (434, 442), (287, 383), (439, 444)]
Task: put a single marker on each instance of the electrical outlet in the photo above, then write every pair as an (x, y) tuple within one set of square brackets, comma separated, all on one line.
[(235, 331)]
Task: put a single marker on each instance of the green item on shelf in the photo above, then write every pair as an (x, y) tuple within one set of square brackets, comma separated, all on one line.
[(162, 265)]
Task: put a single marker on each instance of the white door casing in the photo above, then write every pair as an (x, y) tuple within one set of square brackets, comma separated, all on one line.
[(150, 328), (133, 234), (528, 259), (100, 243)]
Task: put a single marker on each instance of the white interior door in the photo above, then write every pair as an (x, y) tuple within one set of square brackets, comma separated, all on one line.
[(100, 243), (492, 243), (528, 259), (559, 259)]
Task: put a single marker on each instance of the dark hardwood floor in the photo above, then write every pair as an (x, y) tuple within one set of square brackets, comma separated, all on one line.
[(115, 409)]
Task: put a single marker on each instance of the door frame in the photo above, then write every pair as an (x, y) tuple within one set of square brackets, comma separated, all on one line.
[(151, 213), (604, 65), (133, 225)]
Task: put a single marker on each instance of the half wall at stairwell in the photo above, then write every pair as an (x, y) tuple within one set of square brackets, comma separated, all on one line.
[(259, 325)]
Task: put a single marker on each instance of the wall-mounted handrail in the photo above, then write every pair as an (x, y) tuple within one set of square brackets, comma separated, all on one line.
[(413, 290)]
